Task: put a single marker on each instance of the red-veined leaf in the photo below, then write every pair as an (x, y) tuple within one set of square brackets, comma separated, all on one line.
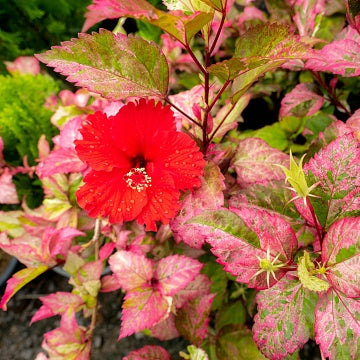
[(341, 253), (182, 27), (57, 304), (192, 320), (285, 318), (131, 270), (265, 47), (340, 57), (209, 196), (149, 352), (242, 238), (255, 161), (175, 272), (301, 101), (143, 308), (113, 65), (336, 167)]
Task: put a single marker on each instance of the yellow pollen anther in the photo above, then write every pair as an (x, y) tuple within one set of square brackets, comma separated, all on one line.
[(137, 179)]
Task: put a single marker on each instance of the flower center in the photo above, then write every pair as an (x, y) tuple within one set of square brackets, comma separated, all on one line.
[(137, 179)]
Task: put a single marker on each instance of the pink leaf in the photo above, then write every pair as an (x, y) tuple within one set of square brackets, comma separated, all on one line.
[(201, 285), (69, 341), (301, 101), (18, 280), (8, 194), (138, 67), (165, 330), (337, 168), (57, 242), (353, 14), (143, 308), (306, 14), (175, 272), (209, 196), (182, 27), (149, 352), (255, 161), (354, 122), (341, 253), (57, 304), (64, 159), (34, 251), (131, 270), (340, 57), (23, 65), (193, 319), (241, 239), (283, 321), (109, 283), (337, 326)]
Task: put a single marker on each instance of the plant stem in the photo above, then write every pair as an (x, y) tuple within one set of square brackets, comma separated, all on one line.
[(223, 17), (182, 112), (226, 84), (95, 241), (222, 122), (332, 94), (196, 61)]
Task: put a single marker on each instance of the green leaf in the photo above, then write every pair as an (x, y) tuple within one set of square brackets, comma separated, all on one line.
[(231, 314), (114, 66), (265, 47), (228, 222), (217, 275), (308, 280), (273, 134), (194, 353), (228, 69), (235, 342)]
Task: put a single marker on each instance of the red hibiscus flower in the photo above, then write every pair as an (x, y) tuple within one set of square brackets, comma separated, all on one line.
[(139, 163)]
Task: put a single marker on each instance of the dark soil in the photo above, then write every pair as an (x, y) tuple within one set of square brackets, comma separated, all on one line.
[(19, 341)]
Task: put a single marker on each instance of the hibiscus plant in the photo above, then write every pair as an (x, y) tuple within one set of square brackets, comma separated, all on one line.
[(243, 241)]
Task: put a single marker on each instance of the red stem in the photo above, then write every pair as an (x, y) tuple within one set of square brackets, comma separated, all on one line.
[(189, 50), (331, 93), (223, 17), (221, 122), (182, 112)]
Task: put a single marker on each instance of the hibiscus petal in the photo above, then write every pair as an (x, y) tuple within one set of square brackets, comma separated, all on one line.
[(135, 126), (96, 147), (107, 194), (181, 158), (162, 202)]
